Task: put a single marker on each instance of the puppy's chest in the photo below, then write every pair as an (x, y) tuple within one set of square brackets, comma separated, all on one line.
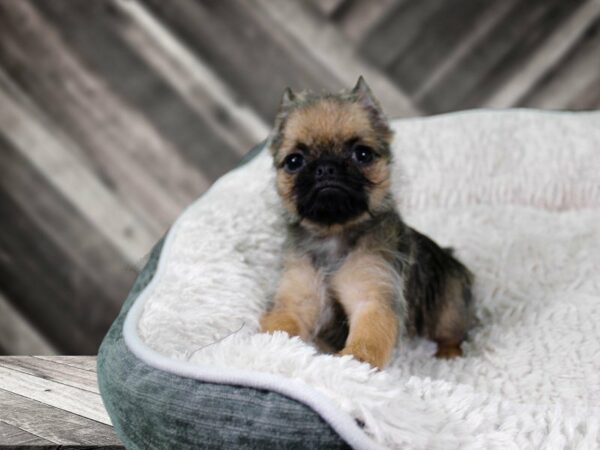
[(328, 254)]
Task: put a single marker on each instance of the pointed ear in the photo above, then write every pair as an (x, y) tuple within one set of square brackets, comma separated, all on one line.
[(287, 99), (365, 97)]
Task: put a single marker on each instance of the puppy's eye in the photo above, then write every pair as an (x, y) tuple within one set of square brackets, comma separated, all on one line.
[(363, 154), (294, 162)]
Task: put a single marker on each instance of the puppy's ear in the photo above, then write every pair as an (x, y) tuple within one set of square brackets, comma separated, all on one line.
[(288, 100), (364, 96)]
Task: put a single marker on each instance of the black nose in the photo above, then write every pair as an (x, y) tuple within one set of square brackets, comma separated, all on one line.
[(326, 170)]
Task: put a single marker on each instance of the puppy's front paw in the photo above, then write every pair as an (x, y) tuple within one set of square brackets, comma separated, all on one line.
[(366, 353), (278, 321)]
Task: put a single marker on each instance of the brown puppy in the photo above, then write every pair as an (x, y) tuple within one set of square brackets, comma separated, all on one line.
[(354, 272)]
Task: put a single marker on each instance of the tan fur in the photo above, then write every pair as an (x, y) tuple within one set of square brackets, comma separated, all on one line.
[(297, 301), (360, 267), (328, 121), (285, 189), (366, 286), (379, 175), (332, 122)]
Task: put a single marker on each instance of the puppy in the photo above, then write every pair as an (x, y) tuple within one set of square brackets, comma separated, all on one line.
[(354, 273)]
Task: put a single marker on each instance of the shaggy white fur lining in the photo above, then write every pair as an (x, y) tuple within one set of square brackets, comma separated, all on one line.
[(516, 193)]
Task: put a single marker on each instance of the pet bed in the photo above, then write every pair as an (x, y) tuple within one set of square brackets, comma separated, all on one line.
[(516, 193)]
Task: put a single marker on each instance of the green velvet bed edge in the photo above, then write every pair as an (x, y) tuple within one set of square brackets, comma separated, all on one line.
[(151, 408)]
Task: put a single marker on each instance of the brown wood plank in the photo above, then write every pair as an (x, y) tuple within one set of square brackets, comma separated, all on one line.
[(17, 335), (83, 403), (54, 424), (118, 142), (53, 371), (81, 362), (14, 436)]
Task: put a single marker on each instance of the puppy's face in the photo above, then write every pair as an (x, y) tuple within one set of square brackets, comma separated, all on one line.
[(332, 156)]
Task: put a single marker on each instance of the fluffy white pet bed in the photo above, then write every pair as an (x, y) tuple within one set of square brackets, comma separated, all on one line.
[(516, 193)]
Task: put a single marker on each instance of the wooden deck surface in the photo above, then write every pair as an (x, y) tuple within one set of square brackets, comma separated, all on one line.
[(52, 402), (116, 114)]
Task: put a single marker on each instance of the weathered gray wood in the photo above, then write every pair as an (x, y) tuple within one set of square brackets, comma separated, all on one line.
[(195, 82), (503, 52), (397, 31), (334, 53), (439, 34), (575, 82), (493, 14), (92, 31), (14, 436), (250, 52), (68, 175), (47, 209), (17, 335), (89, 266), (55, 399), (67, 322), (52, 393), (359, 17), (81, 362), (119, 142), (53, 424), (544, 59), (329, 7), (53, 371)]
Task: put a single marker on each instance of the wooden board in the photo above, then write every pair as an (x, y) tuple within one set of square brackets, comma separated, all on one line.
[(48, 403)]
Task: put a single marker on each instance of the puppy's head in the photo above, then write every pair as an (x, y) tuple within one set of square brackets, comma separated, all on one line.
[(332, 156)]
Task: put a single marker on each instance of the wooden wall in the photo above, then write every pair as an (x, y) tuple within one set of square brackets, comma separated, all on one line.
[(114, 115)]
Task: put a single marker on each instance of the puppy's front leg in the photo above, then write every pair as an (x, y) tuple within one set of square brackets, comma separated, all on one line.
[(297, 301), (365, 285)]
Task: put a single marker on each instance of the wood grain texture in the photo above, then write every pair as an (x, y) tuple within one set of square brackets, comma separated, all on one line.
[(548, 55), (90, 267), (116, 114), (250, 52), (61, 408), (18, 437), (53, 371), (53, 393), (142, 165), (575, 82), (81, 362)]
